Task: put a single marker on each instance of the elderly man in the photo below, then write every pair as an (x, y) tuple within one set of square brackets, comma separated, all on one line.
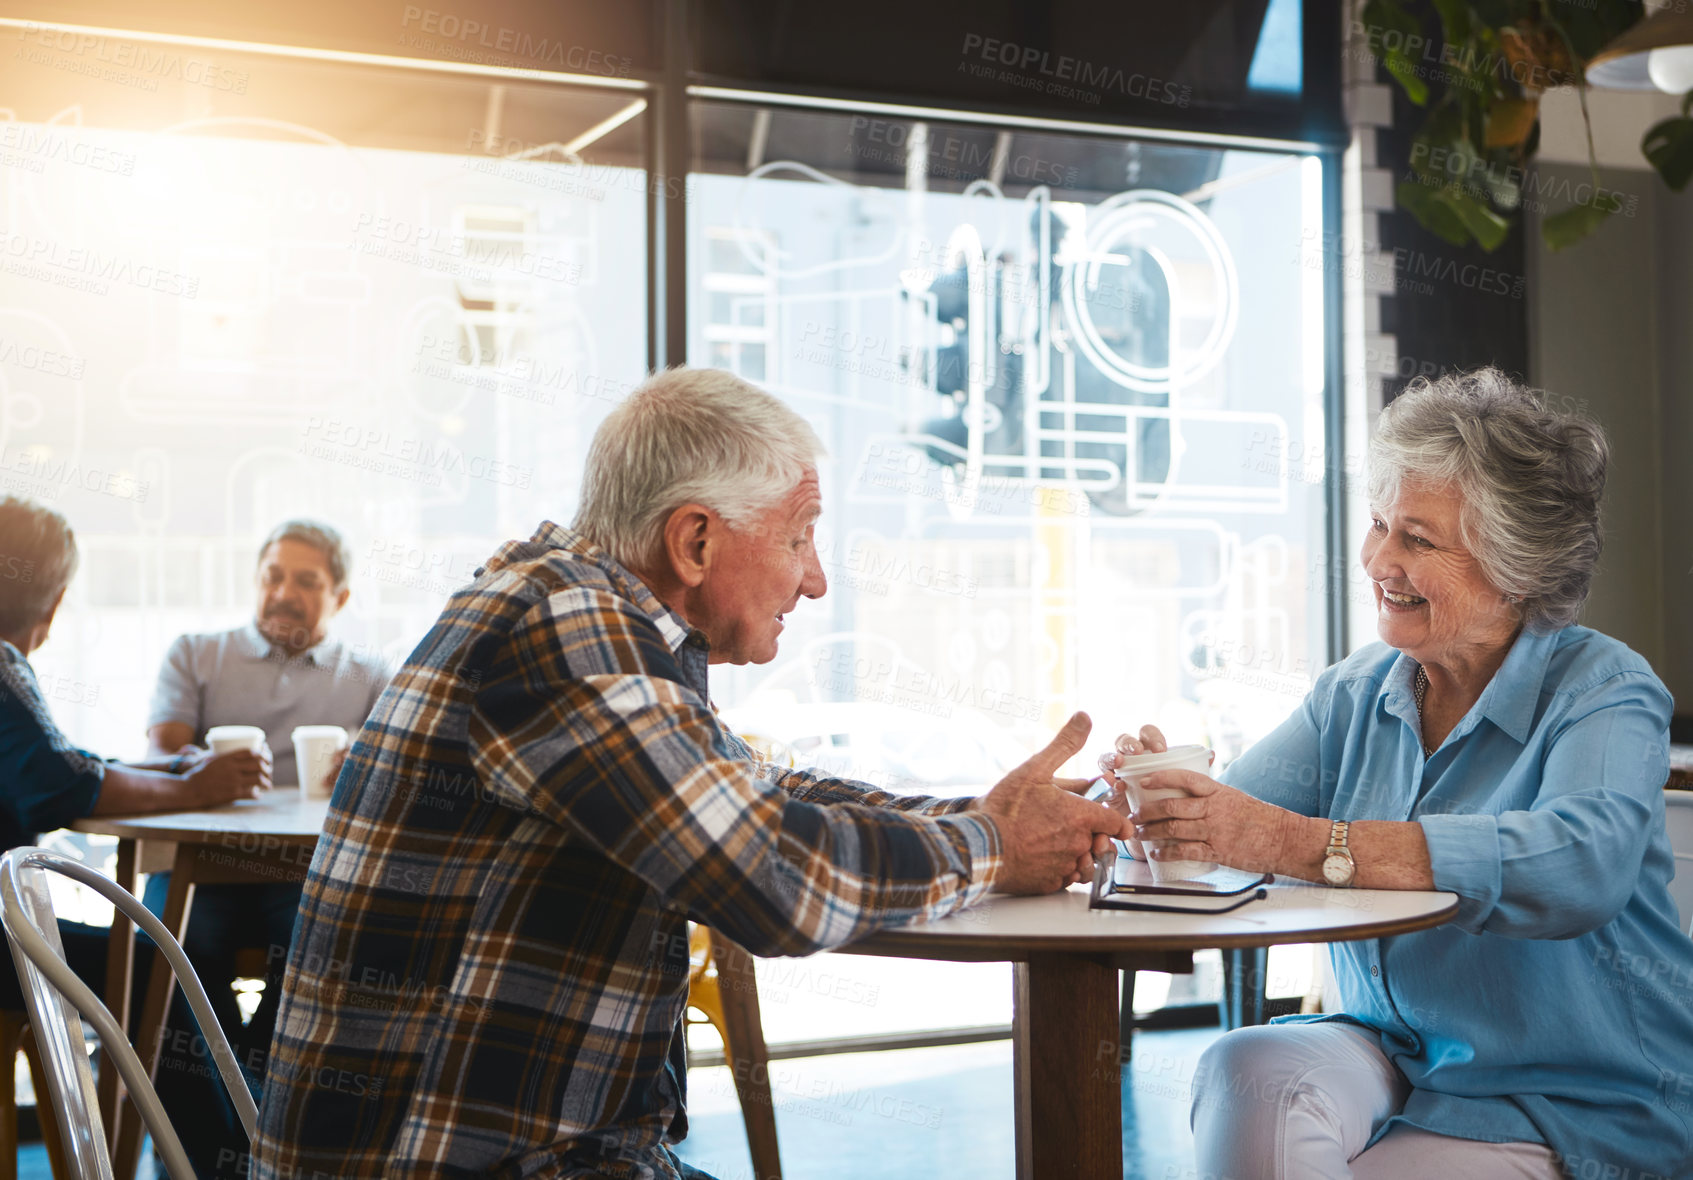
[(491, 964), (280, 670)]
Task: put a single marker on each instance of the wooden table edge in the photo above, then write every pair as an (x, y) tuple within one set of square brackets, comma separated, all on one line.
[(913, 943), (124, 827)]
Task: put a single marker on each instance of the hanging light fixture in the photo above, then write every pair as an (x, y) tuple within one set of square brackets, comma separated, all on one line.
[(1656, 54)]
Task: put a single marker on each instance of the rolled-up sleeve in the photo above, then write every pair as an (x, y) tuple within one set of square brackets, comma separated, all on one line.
[(1286, 767), (639, 769), (1569, 863), (48, 781), (810, 787)]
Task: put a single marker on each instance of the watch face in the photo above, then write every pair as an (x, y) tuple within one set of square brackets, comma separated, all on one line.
[(1337, 870)]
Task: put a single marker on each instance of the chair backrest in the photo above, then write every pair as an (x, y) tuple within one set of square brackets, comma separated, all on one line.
[(59, 1001), (1678, 817)]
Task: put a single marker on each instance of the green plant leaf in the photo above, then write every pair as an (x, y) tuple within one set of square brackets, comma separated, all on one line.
[(1383, 16), (1496, 14), (1454, 19), (1669, 146), (1488, 228), (1503, 187), (1566, 227), (1405, 71), (1431, 213)]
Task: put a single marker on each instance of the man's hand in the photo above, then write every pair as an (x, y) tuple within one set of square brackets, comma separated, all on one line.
[(217, 779), (1049, 835), (336, 760)]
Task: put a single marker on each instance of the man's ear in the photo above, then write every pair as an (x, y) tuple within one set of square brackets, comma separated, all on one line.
[(345, 593), (687, 530)]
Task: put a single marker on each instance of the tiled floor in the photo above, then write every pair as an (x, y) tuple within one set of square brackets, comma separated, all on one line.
[(920, 1113), (909, 1115), (32, 1164)]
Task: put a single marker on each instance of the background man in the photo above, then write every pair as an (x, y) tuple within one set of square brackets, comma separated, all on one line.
[(280, 670), (492, 959)]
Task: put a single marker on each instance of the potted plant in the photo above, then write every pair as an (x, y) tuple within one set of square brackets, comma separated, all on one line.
[(1479, 80)]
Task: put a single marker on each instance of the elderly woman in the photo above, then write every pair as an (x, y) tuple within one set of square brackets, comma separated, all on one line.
[(46, 782), (1491, 748)]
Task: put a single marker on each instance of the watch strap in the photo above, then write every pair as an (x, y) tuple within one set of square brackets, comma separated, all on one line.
[(1337, 839)]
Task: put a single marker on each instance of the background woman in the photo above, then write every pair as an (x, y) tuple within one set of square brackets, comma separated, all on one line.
[(46, 783)]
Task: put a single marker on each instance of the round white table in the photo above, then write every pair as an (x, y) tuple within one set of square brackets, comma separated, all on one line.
[(264, 840), (1065, 1051)]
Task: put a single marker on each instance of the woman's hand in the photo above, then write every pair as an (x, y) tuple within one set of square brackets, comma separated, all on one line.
[(1150, 741), (1214, 822), (216, 779)]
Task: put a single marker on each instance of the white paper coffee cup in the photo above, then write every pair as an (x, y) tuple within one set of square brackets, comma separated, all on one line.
[(221, 739), (315, 747), (1136, 767)]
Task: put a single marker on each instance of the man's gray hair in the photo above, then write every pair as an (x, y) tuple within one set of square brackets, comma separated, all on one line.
[(701, 436), (326, 539), (38, 557), (1529, 479)]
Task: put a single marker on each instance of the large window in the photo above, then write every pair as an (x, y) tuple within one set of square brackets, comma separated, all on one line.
[(1072, 385), (1069, 387), (395, 300)]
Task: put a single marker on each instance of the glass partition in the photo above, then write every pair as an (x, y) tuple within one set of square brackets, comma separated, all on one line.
[(238, 288), (1073, 395)]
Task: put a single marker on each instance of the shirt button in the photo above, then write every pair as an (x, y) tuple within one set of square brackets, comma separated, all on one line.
[(1375, 972)]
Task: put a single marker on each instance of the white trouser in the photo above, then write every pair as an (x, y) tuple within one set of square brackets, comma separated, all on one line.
[(1299, 1101)]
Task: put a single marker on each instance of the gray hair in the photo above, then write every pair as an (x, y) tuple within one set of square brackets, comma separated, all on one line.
[(38, 557), (701, 436), (1529, 479), (326, 539)]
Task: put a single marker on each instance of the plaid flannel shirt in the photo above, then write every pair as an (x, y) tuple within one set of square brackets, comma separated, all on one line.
[(490, 968)]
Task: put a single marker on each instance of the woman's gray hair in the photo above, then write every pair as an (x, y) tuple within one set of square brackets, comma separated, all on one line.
[(700, 436), (1529, 479), (326, 539), (38, 558)]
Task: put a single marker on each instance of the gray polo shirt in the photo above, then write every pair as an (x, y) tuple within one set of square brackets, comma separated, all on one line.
[(237, 678)]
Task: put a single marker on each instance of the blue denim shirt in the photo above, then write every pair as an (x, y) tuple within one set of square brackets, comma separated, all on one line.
[(1557, 1007)]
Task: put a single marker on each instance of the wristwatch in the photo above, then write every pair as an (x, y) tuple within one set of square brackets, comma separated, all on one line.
[(1338, 865)]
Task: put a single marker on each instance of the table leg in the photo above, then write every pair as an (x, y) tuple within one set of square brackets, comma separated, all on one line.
[(120, 957), (748, 1055), (150, 1031), (1064, 1059)]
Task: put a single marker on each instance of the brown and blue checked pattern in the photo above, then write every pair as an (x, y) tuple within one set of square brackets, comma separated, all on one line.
[(490, 967)]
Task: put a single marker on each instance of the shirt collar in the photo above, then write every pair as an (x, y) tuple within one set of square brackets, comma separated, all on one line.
[(676, 630), (1509, 700), (1511, 697), (321, 653)]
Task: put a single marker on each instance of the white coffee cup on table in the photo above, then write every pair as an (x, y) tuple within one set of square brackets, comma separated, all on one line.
[(221, 739), (315, 747), (1132, 769)]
